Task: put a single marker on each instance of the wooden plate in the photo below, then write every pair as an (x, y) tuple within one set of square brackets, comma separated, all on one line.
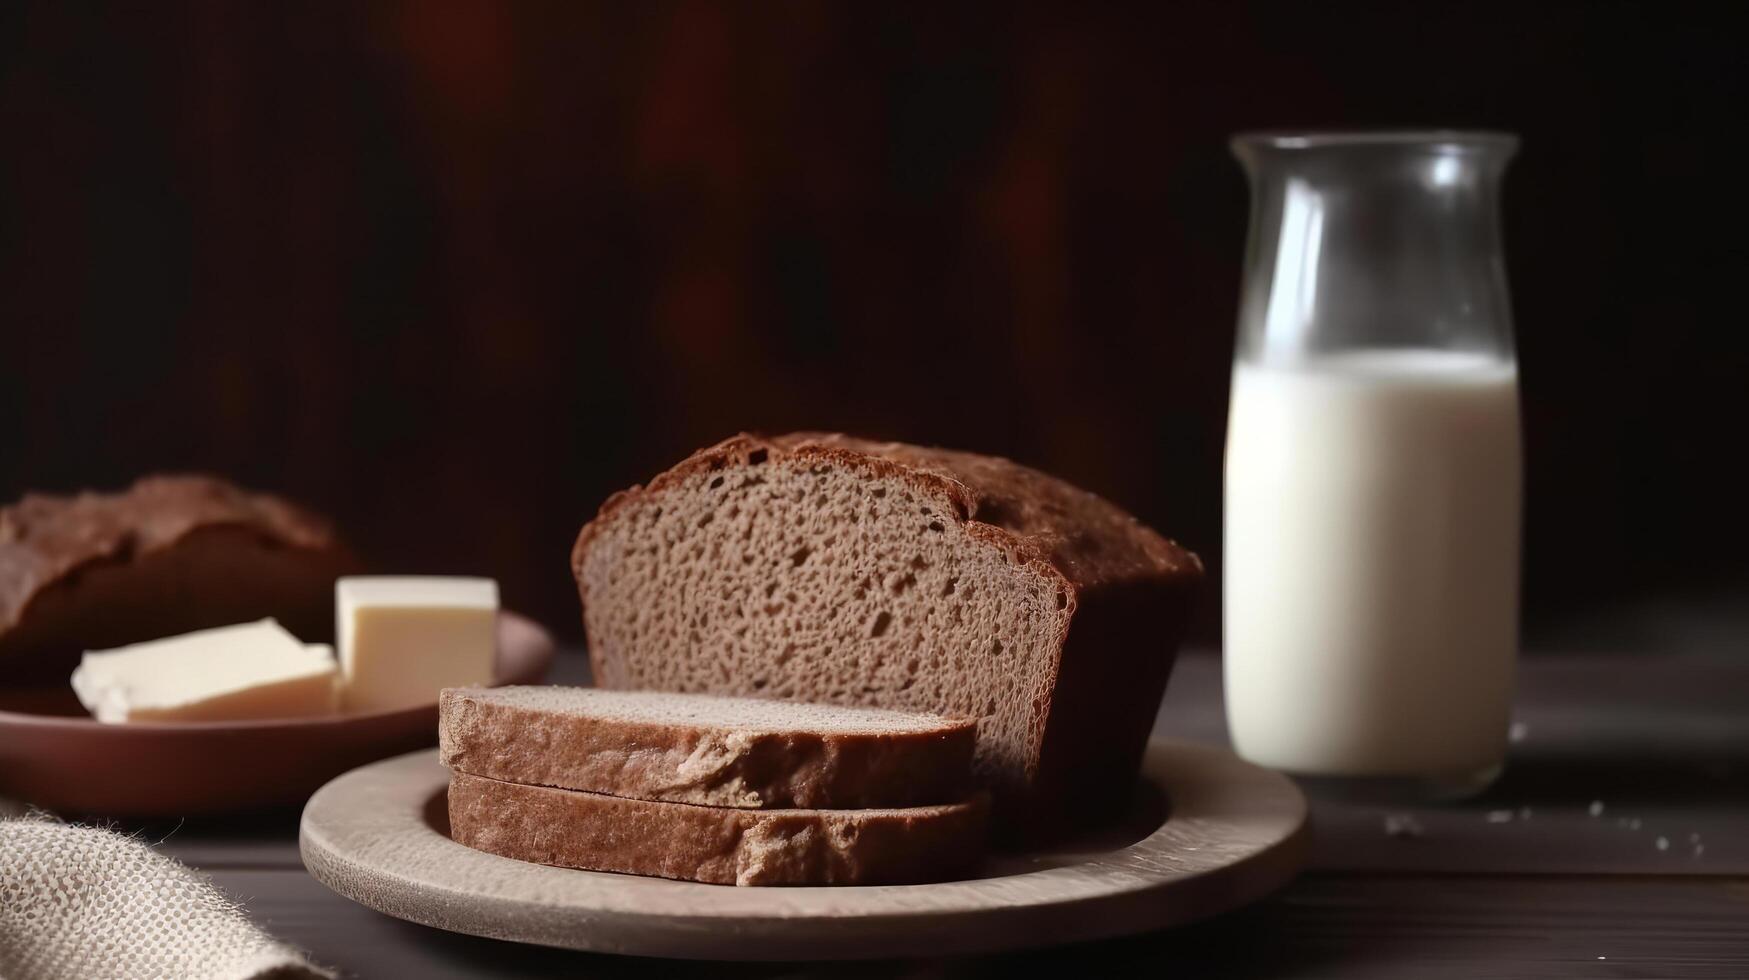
[(1234, 833), (53, 755)]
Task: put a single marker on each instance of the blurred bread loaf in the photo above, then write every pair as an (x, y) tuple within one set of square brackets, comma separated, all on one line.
[(169, 555)]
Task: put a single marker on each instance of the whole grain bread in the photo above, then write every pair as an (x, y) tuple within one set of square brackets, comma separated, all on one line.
[(169, 555), (710, 751), (714, 844), (827, 568)]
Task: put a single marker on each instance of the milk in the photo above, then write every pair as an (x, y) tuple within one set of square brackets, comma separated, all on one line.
[(1372, 554)]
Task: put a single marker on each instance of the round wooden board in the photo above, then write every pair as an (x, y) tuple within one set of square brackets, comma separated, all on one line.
[(378, 835), (54, 755)]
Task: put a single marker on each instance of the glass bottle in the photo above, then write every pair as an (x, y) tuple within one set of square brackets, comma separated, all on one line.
[(1373, 465)]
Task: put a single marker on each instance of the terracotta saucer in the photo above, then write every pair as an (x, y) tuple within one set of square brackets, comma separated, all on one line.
[(53, 755)]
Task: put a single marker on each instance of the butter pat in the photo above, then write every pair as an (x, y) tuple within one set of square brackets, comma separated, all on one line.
[(232, 673), (405, 639)]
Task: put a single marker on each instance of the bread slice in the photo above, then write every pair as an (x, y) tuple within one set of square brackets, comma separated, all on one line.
[(167, 556), (714, 844), (832, 569), (711, 751)]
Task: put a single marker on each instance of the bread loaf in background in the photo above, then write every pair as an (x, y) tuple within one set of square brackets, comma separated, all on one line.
[(167, 556), (826, 568)]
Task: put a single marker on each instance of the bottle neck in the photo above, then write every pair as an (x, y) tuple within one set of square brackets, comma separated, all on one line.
[(1381, 242)]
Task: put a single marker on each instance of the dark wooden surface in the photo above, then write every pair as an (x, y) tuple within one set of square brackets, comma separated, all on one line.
[(1524, 882)]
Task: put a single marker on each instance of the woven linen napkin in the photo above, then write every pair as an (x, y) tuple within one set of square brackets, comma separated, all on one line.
[(79, 903)]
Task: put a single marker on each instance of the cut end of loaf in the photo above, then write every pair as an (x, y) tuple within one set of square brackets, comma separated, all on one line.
[(815, 572)]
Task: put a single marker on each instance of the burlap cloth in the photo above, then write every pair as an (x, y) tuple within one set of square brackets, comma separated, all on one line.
[(78, 903)]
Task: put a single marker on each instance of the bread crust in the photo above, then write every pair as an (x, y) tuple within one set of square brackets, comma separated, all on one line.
[(480, 733), (717, 845), (999, 490)]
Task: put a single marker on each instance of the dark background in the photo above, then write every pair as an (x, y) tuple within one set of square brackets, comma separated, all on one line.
[(454, 272)]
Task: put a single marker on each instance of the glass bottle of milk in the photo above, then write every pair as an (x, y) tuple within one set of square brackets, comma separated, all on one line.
[(1373, 481)]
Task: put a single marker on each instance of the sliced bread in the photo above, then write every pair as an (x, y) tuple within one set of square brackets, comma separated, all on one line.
[(711, 751), (714, 844), (825, 568)]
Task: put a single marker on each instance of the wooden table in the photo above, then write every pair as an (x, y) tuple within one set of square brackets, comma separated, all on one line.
[(1617, 845)]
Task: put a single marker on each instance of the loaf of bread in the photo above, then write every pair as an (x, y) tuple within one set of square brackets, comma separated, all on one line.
[(709, 751), (167, 556), (831, 569), (714, 844)]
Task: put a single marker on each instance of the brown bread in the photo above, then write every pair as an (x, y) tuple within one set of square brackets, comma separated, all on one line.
[(714, 844), (168, 555), (832, 569), (710, 751)]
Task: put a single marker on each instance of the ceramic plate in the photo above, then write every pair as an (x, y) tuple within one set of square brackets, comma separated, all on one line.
[(53, 755), (1206, 833)]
